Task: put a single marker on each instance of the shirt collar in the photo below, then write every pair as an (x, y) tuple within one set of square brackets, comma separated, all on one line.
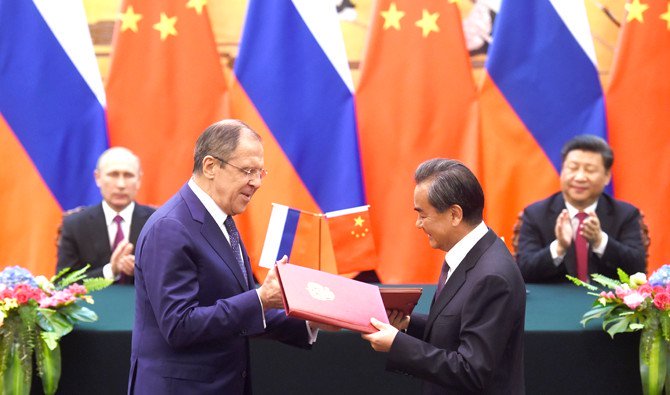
[(126, 213), (210, 205), (457, 253), (572, 210)]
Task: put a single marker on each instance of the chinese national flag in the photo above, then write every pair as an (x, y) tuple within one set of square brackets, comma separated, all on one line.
[(351, 235), (166, 85), (416, 101), (638, 116)]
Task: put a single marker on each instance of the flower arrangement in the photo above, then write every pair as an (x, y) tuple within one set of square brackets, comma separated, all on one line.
[(34, 314), (637, 303)]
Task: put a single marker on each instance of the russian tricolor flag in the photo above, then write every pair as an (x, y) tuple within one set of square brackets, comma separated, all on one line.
[(52, 125), (294, 87), (541, 89)]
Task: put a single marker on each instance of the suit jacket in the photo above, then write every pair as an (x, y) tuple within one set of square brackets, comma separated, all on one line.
[(194, 309), (618, 219), (84, 238), (471, 342)]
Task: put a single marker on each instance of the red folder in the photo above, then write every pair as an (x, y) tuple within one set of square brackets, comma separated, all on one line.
[(330, 299), (403, 299)]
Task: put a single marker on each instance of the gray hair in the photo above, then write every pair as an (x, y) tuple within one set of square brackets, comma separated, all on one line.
[(452, 183), (219, 139)]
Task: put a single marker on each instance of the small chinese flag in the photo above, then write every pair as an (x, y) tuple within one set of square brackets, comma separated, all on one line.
[(351, 235)]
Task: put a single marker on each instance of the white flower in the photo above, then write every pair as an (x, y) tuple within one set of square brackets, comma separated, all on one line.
[(637, 279)]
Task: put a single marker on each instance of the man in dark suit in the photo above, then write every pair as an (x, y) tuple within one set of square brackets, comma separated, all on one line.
[(610, 229), (471, 342), (103, 235), (196, 303)]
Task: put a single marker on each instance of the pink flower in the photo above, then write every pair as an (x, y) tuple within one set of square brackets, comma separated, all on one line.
[(662, 301), (633, 300)]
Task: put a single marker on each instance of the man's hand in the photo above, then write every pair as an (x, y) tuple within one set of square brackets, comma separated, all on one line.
[(399, 320), (382, 340), (591, 230), (123, 260), (563, 232), (269, 291)]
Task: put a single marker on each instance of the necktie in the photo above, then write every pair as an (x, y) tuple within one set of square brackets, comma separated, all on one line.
[(235, 243), (119, 232), (581, 250), (443, 279), (123, 279)]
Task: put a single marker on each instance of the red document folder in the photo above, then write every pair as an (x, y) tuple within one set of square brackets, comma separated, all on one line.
[(403, 299), (330, 299)]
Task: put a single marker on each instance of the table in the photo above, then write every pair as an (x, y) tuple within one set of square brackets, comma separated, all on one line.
[(561, 357)]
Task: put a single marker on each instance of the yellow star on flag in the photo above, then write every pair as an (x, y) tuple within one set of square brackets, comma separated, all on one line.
[(428, 23), (635, 10), (358, 221), (129, 19), (454, 1), (166, 26), (197, 5), (666, 17), (392, 17)]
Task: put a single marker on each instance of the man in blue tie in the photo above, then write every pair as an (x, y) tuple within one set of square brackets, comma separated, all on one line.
[(196, 301), (471, 342)]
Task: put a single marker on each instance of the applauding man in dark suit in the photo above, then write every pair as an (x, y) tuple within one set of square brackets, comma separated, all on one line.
[(608, 231), (471, 342), (104, 235)]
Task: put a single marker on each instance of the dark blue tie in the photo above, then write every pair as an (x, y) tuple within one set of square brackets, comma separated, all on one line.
[(443, 278), (234, 236)]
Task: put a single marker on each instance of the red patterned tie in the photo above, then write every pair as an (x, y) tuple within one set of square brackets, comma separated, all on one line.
[(123, 279), (581, 250), (119, 232)]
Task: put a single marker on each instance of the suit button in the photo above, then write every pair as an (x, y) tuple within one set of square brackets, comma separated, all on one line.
[(243, 332), (244, 374)]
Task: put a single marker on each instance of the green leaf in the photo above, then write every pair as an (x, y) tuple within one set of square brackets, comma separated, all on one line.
[(581, 283), (76, 313), (72, 277), (605, 281), (97, 283), (48, 365), (58, 323), (623, 277)]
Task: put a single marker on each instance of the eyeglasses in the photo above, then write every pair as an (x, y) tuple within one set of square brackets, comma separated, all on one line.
[(251, 173)]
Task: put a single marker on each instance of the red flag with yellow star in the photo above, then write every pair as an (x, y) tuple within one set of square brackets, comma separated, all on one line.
[(166, 85), (352, 241), (416, 100), (638, 117)]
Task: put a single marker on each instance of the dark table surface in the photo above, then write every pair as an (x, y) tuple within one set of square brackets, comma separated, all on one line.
[(561, 356)]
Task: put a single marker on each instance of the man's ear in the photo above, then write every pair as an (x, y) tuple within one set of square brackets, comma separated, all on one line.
[(456, 214), (208, 166)]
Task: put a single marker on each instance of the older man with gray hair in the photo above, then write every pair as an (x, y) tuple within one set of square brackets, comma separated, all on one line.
[(104, 235)]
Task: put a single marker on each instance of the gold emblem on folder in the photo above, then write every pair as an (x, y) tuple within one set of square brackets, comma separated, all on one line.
[(319, 292)]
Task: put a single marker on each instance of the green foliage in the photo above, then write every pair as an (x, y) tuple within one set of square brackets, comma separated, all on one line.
[(581, 283), (623, 277), (66, 277), (97, 283), (48, 365), (605, 281)]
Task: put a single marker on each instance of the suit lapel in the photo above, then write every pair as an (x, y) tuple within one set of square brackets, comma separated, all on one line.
[(458, 278), (98, 237), (213, 234), (137, 221)]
